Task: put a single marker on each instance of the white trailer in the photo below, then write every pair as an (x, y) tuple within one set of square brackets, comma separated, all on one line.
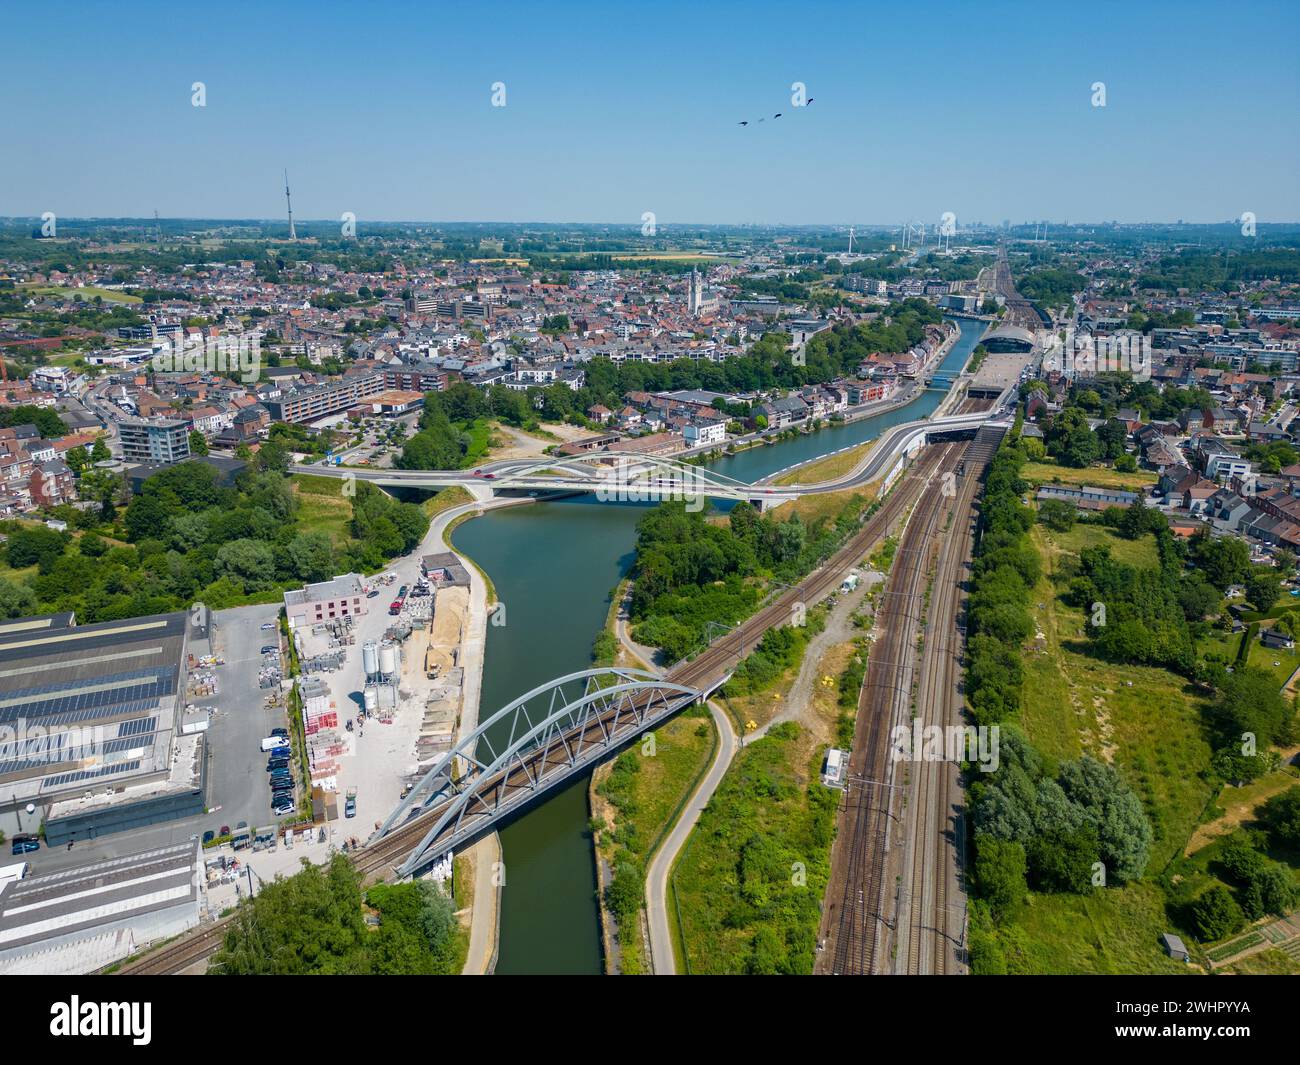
[(17, 871)]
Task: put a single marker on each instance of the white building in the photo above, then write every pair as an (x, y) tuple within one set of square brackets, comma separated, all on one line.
[(701, 434)]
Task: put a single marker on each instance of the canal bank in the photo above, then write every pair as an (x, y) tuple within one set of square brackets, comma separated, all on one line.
[(553, 565)]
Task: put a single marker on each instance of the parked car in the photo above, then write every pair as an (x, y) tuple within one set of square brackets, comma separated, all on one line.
[(267, 625), (270, 649), (25, 844), (280, 732)]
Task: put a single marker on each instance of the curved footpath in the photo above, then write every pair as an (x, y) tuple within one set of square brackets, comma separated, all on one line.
[(662, 957)]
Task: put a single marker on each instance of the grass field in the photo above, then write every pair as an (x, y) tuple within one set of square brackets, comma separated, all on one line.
[(822, 505), (638, 800), (89, 292), (1266, 963), (322, 506), (828, 468), (1224, 646), (1037, 473), (454, 496), (1144, 720), (757, 863), (1131, 552), (1110, 932), (1238, 805), (668, 256)]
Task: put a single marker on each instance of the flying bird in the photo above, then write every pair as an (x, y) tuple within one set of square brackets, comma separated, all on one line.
[(779, 114)]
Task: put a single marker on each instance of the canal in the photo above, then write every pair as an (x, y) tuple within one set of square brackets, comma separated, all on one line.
[(554, 566)]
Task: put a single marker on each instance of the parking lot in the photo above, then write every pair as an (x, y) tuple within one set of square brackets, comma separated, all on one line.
[(238, 789)]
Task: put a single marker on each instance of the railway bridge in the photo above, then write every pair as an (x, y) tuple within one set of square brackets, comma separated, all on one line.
[(531, 745)]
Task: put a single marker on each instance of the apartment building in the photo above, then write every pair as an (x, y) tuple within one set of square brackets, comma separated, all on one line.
[(154, 440)]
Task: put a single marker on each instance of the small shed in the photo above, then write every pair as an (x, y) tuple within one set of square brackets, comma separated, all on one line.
[(1174, 947), (1275, 638)]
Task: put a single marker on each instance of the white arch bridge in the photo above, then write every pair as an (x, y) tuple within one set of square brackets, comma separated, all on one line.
[(617, 477), (533, 744)]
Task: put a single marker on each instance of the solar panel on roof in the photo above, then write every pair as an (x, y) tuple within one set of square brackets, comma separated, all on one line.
[(91, 774)]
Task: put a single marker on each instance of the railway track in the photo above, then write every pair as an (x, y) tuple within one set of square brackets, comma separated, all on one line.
[(932, 899), (929, 918), (853, 922), (1020, 311), (377, 860)]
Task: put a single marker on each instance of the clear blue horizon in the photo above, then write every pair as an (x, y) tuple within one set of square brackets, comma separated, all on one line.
[(385, 110)]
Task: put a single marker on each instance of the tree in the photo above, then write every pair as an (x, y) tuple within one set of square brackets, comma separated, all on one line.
[(78, 459), (16, 600), (99, 451), (1281, 816), (1000, 869), (1071, 441), (1263, 588), (1197, 597), (249, 562), (313, 556), (1215, 914), (1269, 889), (1114, 812), (309, 923), (1249, 704), (1057, 515), (198, 443), (1063, 861), (1224, 560), (35, 546)]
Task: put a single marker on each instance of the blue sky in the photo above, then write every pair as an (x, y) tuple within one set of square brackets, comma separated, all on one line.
[(384, 110)]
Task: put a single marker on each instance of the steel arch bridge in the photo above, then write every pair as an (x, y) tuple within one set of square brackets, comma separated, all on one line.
[(529, 746)]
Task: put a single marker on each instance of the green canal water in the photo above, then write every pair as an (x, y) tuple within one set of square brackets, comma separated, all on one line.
[(554, 566)]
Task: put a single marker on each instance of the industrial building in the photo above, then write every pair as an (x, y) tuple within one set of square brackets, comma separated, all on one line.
[(80, 920), (317, 603), (89, 738)]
